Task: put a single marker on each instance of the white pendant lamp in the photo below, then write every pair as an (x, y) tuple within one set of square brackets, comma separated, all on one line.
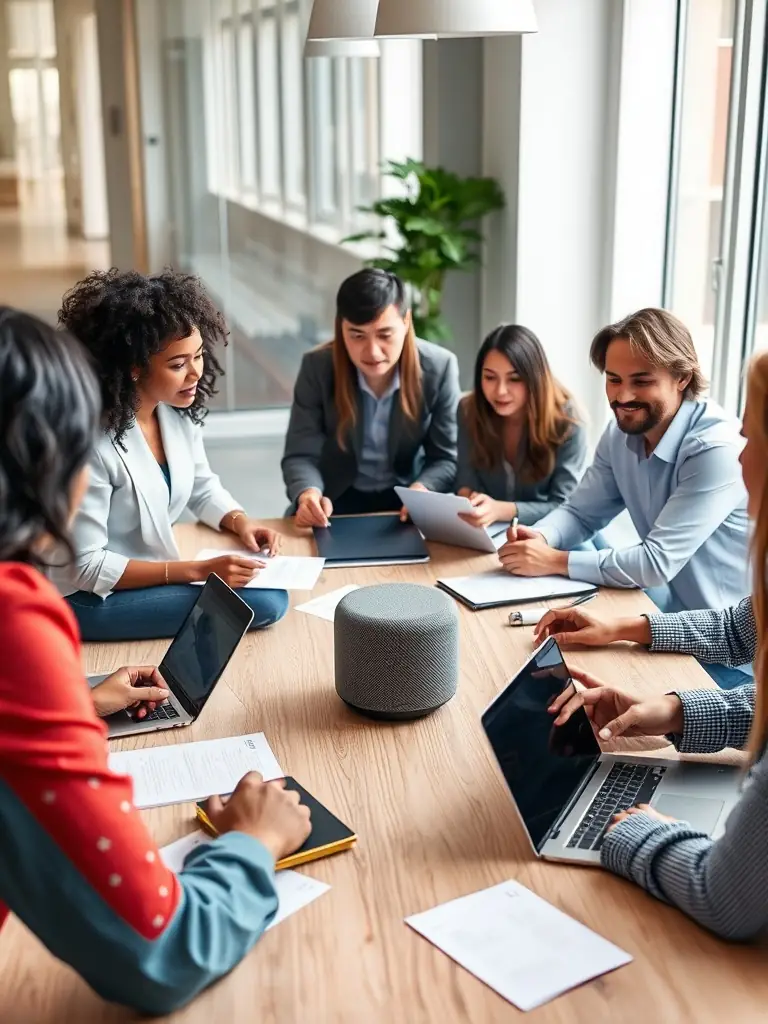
[(343, 27), (341, 48), (454, 18)]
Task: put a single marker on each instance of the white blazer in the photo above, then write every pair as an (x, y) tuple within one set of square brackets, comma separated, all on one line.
[(127, 512)]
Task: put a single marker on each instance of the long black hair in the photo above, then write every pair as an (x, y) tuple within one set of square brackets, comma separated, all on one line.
[(49, 415), (124, 318), (361, 299), (549, 420)]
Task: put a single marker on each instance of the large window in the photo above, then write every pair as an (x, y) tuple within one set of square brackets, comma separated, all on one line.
[(695, 264), (267, 158), (717, 252), (295, 138)]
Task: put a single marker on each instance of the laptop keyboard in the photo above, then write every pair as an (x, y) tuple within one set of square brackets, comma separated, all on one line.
[(162, 714), (624, 786)]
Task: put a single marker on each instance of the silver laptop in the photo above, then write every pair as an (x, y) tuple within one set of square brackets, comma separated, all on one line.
[(436, 516), (194, 662), (566, 790)]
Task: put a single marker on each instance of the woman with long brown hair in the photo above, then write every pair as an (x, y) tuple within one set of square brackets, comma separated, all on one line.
[(721, 883), (372, 409), (522, 448)]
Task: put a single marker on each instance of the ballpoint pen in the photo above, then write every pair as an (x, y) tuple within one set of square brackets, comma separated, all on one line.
[(582, 600)]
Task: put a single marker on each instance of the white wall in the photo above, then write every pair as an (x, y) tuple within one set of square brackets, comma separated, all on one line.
[(579, 138), (117, 153), (7, 126), (90, 125)]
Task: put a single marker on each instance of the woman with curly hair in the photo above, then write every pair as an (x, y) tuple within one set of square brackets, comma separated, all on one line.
[(153, 343), (77, 864)]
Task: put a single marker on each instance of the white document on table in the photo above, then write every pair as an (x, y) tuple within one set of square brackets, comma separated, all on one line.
[(281, 572), (518, 944), (325, 607), (183, 772), (499, 587), (294, 890)]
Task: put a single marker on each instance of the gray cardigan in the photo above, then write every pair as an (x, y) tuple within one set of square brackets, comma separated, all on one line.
[(423, 450), (534, 499)]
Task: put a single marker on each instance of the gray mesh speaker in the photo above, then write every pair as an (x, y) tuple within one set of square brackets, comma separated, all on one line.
[(396, 650)]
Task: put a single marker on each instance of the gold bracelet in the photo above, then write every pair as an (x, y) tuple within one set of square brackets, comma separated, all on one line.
[(235, 516), (166, 574)]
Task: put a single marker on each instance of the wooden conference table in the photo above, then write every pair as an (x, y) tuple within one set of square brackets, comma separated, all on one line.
[(435, 822)]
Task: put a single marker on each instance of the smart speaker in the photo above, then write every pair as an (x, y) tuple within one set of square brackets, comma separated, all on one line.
[(396, 650)]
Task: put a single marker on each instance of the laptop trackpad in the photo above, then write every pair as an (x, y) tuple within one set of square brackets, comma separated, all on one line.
[(701, 813)]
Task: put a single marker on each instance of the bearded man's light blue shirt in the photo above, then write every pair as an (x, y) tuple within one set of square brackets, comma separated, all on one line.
[(686, 500)]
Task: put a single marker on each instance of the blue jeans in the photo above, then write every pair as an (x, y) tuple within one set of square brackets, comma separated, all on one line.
[(153, 612), (729, 678)]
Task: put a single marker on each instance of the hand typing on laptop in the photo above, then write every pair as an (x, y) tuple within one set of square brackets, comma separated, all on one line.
[(140, 688)]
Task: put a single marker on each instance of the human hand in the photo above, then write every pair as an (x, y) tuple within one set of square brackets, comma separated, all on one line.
[(404, 511), (575, 626), (256, 537), (235, 570), (614, 713), (265, 810), (530, 555), (640, 809), (142, 688), (313, 509), (485, 511)]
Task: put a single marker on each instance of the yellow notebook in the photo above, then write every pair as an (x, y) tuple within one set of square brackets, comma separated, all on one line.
[(328, 835)]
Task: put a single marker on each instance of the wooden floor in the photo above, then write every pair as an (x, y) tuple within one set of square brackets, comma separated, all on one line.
[(435, 822)]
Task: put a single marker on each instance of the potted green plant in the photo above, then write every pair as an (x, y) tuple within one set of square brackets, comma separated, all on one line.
[(434, 221)]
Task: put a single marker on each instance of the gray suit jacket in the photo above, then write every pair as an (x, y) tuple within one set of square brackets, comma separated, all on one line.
[(536, 498), (423, 450)]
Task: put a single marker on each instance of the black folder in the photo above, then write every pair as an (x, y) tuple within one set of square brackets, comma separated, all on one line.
[(369, 540)]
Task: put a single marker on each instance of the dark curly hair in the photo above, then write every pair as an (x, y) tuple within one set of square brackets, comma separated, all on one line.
[(123, 318), (49, 416)]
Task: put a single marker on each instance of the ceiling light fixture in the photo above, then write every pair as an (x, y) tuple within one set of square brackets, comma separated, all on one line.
[(341, 48), (342, 28), (342, 19), (453, 18)]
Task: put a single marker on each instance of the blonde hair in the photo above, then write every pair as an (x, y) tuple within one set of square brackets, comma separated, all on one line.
[(757, 397)]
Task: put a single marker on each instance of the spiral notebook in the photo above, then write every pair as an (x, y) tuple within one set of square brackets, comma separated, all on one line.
[(328, 835)]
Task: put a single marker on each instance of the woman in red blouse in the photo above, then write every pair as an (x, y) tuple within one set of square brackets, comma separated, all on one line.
[(77, 864)]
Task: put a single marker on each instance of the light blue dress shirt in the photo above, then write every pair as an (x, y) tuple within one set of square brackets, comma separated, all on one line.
[(687, 502), (374, 471)]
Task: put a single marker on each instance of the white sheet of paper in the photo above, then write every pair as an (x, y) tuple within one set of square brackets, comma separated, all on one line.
[(283, 572), (518, 944), (294, 890), (183, 772), (488, 587), (325, 607)]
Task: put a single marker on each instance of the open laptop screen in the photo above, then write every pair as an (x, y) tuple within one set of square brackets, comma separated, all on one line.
[(205, 643), (543, 765)]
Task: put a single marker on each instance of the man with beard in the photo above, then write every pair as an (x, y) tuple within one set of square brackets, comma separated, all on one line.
[(671, 459)]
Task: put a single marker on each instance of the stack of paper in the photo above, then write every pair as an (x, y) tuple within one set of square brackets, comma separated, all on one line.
[(283, 572), (518, 944), (294, 891), (185, 772)]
